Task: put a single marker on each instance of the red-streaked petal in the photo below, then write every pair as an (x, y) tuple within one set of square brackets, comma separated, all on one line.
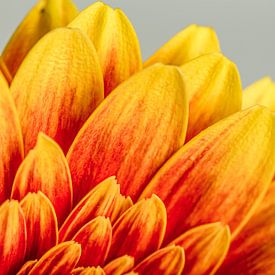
[(41, 224), (95, 238), (12, 237), (60, 259), (140, 230), (204, 181), (205, 248), (88, 271), (26, 268), (57, 87), (132, 132), (45, 169), (120, 265), (166, 261)]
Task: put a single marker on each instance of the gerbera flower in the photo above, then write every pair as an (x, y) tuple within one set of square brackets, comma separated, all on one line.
[(108, 166)]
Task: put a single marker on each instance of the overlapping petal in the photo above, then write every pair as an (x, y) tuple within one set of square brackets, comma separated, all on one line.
[(26, 268), (5, 75), (115, 41), (57, 87), (188, 44), (45, 169), (204, 181), (43, 17), (120, 265), (88, 271), (214, 89), (132, 132)]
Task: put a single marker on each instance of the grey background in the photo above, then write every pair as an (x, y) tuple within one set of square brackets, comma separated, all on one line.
[(246, 28)]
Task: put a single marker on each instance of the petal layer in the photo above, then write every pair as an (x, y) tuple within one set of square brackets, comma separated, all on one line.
[(213, 77), (115, 41), (140, 230), (26, 268), (43, 17), (186, 45), (204, 180), (88, 271), (57, 87), (205, 248), (120, 265), (112, 141), (5, 75)]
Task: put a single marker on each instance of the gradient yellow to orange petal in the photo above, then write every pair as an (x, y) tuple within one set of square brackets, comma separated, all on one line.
[(88, 271), (5, 75), (120, 265)]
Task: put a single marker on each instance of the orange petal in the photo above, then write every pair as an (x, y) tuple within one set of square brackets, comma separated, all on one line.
[(204, 181), (101, 201), (253, 250), (11, 149), (57, 87), (26, 268), (261, 92), (112, 141), (88, 271), (186, 45), (5, 75), (12, 237), (45, 169), (43, 17), (120, 265), (140, 230), (41, 223), (60, 259), (166, 261), (95, 239), (115, 41), (205, 248), (211, 76)]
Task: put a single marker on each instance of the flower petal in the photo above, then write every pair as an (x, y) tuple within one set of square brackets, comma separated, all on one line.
[(12, 237), (140, 230), (205, 248), (204, 180), (186, 45), (95, 239), (166, 261), (112, 141), (41, 224), (26, 268), (103, 200), (60, 259), (261, 92), (57, 87), (45, 169), (11, 149), (211, 76), (43, 17), (88, 271), (120, 265), (5, 75), (253, 250), (115, 41)]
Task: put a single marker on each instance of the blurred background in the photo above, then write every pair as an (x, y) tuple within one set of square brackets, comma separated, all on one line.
[(246, 28)]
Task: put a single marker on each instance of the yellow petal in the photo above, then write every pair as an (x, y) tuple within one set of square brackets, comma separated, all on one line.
[(88, 271), (43, 17), (132, 132), (5, 75), (120, 265), (57, 87), (115, 41), (261, 92), (188, 44), (214, 89), (204, 181), (205, 248)]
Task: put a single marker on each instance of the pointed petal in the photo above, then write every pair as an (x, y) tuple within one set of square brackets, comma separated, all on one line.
[(211, 76), (11, 149), (43, 17), (95, 239), (115, 40), (5, 75), (45, 169), (166, 261), (88, 271), (204, 180), (26, 268), (112, 141), (140, 230), (120, 265), (101, 201), (60, 259), (261, 92), (41, 224), (186, 45), (205, 248), (12, 237), (57, 87), (253, 250)]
